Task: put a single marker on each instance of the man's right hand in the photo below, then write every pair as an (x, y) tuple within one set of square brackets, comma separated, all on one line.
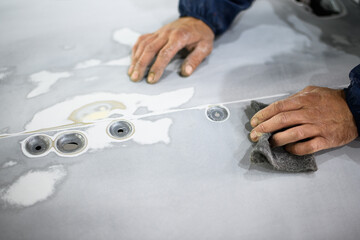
[(187, 32)]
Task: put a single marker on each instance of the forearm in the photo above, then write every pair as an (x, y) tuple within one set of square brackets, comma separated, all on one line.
[(353, 95), (217, 14)]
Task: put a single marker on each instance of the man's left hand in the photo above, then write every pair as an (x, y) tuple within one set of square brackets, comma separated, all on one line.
[(314, 119)]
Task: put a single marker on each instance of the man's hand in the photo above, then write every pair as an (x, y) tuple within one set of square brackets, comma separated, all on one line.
[(315, 118), (186, 32)]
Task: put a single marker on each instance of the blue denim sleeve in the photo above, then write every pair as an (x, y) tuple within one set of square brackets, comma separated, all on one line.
[(217, 14), (353, 95)]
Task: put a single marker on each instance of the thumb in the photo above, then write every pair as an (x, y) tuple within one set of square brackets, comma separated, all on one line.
[(201, 51)]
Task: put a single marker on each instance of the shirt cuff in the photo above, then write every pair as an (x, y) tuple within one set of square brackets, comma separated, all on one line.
[(352, 94)]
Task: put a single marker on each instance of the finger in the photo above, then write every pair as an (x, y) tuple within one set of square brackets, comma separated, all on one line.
[(145, 59), (140, 40), (280, 121), (163, 59), (201, 51), (275, 108), (302, 148), (143, 42), (294, 135)]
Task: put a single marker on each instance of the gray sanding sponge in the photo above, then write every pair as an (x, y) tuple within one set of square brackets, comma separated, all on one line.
[(278, 157)]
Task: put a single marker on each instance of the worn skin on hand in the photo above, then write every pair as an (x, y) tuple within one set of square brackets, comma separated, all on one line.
[(278, 157)]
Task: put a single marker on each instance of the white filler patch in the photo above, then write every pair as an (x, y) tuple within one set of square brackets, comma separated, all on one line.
[(148, 132), (33, 187), (58, 114), (126, 36), (44, 80), (88, 64)]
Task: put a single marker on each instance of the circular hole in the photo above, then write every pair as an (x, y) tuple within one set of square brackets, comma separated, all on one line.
[(71, 146), (71, 143), (120, 129), (37, 145), (217, 113)]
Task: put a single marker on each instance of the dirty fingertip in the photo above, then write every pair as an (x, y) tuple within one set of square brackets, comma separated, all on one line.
[(134, 76), (186, 70), (151, 78)]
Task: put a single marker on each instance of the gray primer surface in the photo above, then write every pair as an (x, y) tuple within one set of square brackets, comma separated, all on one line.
[(184, 177)]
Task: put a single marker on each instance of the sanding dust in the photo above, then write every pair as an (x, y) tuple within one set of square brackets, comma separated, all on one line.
[(33, 187)]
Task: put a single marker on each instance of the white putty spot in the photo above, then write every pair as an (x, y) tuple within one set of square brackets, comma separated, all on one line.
[(148, 132), (125, 61), (33, 187), (4, 72), (126, 36), (88, 64), (167, 100), (58, 114), (9, 164), (44, 81)]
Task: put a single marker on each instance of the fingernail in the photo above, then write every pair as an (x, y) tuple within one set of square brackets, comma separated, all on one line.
[(254, 122), (131, 68), (135, 75), (151, 77), (188, 70), (255, 135)]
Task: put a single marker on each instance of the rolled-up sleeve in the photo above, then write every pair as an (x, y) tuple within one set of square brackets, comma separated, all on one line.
[(353, 95), (217, 14)]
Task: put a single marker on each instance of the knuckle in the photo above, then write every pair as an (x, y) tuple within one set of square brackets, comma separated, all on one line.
[(140, 63), (165, 53), (167, 31), (150, 48), (313, 146), (262, 128), (299, 134), (279, 106), (143, 37), (181, 34), (310, 98), (283, 118)]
